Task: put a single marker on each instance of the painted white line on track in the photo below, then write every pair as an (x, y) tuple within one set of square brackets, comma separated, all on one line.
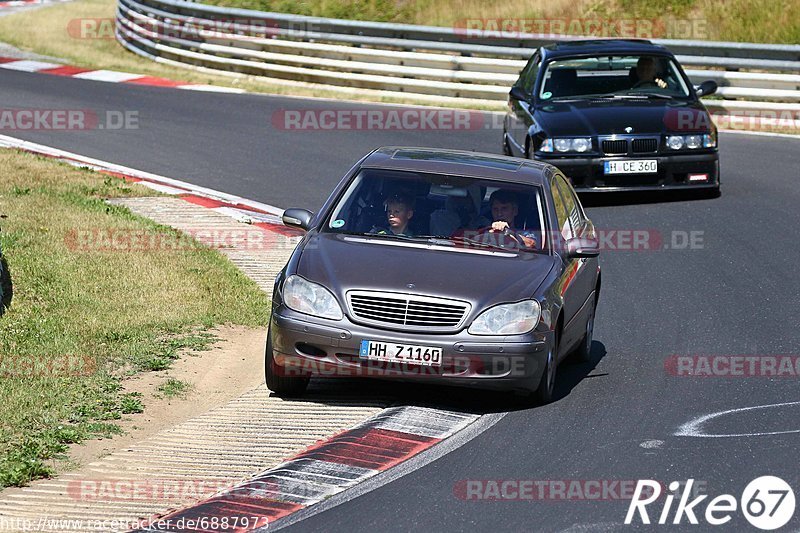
[(28, 65), (211, 89), (694, 428), (107, 75), (97, 164)]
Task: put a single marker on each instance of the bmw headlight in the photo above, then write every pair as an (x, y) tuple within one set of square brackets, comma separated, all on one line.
[(310, 298), (580, 144), (547, 145), (563, 145), (692, 142), (675, 142), (508, 319)]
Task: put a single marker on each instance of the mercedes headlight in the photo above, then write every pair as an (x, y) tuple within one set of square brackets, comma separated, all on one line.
[(508, 319), (310, 298)]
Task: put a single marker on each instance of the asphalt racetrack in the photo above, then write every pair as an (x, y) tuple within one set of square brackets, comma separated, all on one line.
[(716, 278)]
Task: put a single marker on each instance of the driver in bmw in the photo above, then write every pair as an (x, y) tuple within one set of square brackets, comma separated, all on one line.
[(646, 73)]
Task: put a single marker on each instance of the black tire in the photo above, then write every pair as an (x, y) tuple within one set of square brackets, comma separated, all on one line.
[(283, 386), (506, 147), (547, 385), (583, 353), (6, 289)]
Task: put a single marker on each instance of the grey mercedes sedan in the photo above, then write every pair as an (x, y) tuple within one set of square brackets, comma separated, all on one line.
[(451, 267)]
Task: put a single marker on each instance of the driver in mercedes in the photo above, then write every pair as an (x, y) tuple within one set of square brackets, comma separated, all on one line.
[(505, 208)]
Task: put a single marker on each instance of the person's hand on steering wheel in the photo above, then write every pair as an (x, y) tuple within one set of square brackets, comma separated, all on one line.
[(658, 82), (501, 226)]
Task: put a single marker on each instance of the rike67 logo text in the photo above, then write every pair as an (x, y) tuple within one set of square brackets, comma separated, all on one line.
[(767, 502)]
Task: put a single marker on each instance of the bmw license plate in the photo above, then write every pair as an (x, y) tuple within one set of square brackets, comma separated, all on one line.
[(634, 166), (400, 353)]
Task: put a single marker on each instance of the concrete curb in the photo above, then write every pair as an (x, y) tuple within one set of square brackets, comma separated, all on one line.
[(321, 471)]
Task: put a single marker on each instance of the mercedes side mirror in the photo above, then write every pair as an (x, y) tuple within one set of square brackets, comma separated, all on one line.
[(578, 247), (298, 218)]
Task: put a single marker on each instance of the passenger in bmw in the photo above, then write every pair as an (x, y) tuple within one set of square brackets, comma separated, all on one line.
[(399, 211)]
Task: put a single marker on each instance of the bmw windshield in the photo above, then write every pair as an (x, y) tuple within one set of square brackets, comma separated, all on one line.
[(613, 77)]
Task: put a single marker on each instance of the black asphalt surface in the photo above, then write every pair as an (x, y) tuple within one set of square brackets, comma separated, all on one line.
[(734, 293)]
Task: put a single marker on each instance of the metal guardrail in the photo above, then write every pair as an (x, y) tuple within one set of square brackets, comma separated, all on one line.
[(425, 61)]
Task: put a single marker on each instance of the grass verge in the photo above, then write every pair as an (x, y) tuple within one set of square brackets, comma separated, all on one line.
[(725, 20), (174, 388), (81, 319)]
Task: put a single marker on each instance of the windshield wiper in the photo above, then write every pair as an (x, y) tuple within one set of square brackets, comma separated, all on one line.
[(649, 95), (480, 244), (582, 97), (392, 236), (440, 240)]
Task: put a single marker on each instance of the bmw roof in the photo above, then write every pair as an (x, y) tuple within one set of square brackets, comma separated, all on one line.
[(602, 46)]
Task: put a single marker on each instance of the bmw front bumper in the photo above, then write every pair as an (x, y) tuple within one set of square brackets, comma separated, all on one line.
[(674, 171)]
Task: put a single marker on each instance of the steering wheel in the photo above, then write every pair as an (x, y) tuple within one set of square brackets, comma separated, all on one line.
[(505, 233), (645, 83)]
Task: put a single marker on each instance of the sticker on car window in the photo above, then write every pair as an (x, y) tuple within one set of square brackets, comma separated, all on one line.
[(546, 95), (338, 223)]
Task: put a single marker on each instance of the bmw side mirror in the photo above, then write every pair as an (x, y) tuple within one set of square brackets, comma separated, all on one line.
[(298, 218), (706, 88), (518, 93), (578, 247)]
